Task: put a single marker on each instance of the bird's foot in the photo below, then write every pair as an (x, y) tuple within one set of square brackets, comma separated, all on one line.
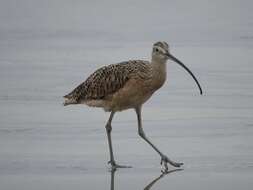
[(165, 160), (115, 166), (165, 172)]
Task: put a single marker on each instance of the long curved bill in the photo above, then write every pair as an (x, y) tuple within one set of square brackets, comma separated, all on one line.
[(187, 69)]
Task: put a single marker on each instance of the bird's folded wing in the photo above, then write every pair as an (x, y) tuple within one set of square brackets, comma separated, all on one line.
[(105, 81)]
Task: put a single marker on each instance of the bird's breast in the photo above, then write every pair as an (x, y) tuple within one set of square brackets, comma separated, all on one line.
[(158, 80)]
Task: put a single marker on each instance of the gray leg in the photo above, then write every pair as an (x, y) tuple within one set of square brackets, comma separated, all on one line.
[(108, 132), (108, 128), (164, 158), (112, 178)]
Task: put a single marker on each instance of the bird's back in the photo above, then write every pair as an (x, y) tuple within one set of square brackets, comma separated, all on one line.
[(107, 80)]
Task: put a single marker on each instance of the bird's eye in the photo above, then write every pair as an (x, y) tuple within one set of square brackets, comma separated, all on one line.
[(156, 50)]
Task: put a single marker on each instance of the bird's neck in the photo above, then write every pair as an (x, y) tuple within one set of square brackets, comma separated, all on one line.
[(159, 73)]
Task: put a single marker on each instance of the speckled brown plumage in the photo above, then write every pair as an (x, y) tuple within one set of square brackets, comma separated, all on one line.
[(107, 80)]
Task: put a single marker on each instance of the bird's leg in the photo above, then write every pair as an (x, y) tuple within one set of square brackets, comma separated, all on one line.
[(108, 128), (112, 178), (108, 132), (164, 159)]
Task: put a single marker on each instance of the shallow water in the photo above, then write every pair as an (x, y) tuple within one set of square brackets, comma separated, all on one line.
[(44, 145)]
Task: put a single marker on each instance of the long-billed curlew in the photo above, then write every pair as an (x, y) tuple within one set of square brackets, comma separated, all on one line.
[(127, 85)]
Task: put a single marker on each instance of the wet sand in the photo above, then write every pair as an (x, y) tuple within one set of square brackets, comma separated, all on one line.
[(44, 145)]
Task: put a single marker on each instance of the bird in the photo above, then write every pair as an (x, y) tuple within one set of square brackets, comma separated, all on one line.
[(127, 85)]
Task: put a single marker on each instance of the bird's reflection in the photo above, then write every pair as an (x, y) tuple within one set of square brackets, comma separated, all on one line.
[(148, 186)]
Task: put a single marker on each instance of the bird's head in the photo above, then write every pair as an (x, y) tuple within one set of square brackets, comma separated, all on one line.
[(160, 51), (161, 54)]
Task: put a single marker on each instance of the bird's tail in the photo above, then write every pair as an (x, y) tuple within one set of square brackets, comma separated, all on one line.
[(69, 101)]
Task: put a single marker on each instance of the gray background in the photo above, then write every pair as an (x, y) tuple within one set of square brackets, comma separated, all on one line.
[(49, 47)]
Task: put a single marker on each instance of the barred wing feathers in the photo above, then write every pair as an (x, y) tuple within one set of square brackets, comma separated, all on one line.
[(106, 81)]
